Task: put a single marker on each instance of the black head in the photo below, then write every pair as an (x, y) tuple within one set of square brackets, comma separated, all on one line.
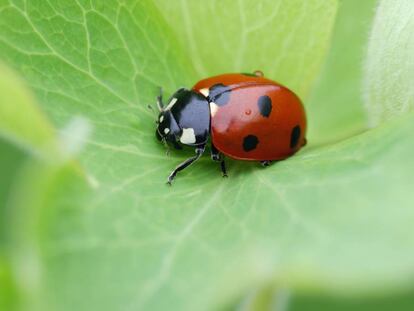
[(185, 119), (167, 129)]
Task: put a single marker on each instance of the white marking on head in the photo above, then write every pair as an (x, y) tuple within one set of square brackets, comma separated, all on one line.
[(161, 119), (213, 109), (205, 92), (171, 103), (188, 136), (166, 130)]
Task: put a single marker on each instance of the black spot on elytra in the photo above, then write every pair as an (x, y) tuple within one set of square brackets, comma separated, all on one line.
[(219, 94), (265, 105), (250, 142), (294, 136)]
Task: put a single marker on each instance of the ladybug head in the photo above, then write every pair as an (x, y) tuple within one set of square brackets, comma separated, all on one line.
[(167, 130)]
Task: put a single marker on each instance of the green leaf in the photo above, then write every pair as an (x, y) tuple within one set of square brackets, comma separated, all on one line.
[(10, 158), (402, 302), (389, 70), (335, 107), (112, 236), (28, 152), (24, 132), (286, 39), (21, 121)]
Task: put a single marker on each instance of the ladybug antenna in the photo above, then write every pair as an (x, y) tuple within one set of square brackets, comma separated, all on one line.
[(159, 101), (152, 109), (155, 113)]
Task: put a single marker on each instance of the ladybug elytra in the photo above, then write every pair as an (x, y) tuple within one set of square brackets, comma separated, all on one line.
[(247, 117)]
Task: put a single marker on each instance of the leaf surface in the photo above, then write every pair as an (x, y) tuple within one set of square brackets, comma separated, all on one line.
[(112, 236), (389, 64)]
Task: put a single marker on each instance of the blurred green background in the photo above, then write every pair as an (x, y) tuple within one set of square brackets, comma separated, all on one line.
[(86, 221)]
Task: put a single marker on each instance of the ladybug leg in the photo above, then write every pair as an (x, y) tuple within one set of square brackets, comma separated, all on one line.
[(223, 167), (258, 73), (265, 163), (217, 156), (199, 152)]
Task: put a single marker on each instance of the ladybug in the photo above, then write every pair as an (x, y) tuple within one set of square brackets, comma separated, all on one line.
[(247, 116)]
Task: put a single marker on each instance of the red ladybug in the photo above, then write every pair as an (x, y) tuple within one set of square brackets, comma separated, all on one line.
[(247, 116)]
